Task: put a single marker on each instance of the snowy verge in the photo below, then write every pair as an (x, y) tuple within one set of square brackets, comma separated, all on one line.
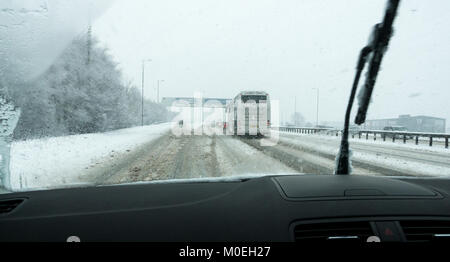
[(59, 161), (330, 145), (398, 144)]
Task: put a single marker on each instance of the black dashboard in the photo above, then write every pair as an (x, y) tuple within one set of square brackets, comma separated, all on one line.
[(265, 209)]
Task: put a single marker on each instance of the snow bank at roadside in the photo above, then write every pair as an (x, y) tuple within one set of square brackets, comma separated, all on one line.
[(330, 145), (398, 144), (57, 161)]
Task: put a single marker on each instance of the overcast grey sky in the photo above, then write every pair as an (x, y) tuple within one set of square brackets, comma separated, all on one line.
[(285, 48), (221, 47)]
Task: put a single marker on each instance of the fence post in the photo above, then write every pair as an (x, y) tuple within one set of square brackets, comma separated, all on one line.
[(374, 136), (431, 141), (367, 135), (417, 140), (446, 142), (404, 139)]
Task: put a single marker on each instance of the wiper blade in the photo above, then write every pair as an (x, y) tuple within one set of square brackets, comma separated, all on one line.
[(378, 44), (376, 48)]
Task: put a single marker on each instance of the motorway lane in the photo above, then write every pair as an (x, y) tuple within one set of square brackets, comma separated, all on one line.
[(194, 156), (191, 156)]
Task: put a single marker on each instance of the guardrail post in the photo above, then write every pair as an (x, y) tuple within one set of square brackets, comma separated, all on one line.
[(383, 134)]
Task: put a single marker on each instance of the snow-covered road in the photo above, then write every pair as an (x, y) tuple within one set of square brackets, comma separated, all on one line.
[(153, 153), (172, 157)]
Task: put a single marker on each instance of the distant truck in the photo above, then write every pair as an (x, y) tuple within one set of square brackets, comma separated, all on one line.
[(395, 128), (248, 114)]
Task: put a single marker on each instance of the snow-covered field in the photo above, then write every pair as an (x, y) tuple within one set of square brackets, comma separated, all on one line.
[(56, 161)]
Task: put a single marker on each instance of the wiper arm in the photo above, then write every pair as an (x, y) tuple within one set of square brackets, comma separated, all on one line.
[(376, 48), (343, 157)]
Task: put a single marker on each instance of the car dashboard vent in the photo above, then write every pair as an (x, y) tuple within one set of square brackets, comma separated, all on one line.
[(426, 230), (6, 206), (336, 231)]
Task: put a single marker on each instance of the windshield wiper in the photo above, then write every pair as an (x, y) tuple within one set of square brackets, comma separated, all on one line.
[(376, 48)]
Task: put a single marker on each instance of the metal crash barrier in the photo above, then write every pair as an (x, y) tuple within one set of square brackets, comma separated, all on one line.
[(375, 134)]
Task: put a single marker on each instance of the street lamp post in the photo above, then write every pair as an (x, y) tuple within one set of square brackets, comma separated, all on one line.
[(295, 111), (142, 92), (317, 107), (157, 91)]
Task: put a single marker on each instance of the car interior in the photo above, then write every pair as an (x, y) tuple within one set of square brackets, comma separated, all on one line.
[(291, 208), (340, 207)]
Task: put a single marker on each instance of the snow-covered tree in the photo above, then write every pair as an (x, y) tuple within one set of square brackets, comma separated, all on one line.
[(74, 96), (9, 116)]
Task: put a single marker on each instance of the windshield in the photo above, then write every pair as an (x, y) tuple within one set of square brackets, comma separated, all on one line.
[(111, 92)]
